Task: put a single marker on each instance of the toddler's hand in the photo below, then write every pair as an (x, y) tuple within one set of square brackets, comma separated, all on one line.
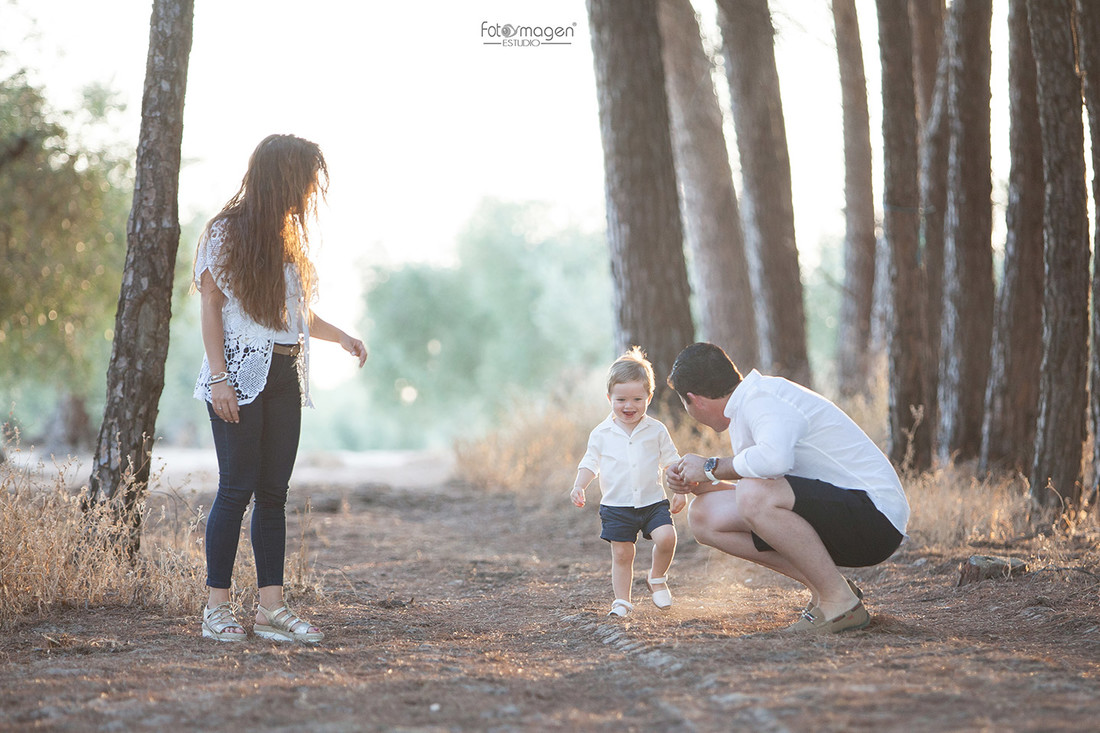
[(577, 495), (679, 501)]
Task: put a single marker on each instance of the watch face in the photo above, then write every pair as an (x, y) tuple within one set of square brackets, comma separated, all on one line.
[(711, 464)]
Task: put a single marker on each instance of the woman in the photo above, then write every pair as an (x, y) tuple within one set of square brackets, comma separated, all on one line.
[(256, 284)]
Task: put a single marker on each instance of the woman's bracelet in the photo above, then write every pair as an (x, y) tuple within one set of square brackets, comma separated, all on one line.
[(218, 378)]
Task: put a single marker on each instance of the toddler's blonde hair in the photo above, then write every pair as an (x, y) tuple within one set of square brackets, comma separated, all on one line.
[(632, 366)]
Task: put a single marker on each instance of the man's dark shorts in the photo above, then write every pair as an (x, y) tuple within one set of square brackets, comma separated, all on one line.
[(853, 530), (622, 523)]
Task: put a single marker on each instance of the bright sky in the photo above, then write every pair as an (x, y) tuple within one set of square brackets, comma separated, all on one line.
[(418, 118)]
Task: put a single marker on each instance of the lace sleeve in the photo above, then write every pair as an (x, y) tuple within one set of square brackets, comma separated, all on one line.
[(208, 254)]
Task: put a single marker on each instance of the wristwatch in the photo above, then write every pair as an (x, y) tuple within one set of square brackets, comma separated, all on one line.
[(708, 469)]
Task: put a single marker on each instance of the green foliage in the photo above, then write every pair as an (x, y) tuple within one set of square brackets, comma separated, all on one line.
[(527, 306), (824, 285), (63, 208)]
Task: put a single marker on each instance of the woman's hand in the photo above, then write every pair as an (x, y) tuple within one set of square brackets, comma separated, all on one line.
[(355, 347), (224, 400)]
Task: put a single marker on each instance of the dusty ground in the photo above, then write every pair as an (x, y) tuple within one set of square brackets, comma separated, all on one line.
[(450, 609)]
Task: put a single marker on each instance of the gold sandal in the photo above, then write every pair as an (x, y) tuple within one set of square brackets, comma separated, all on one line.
[(285, 625), (216, 620)]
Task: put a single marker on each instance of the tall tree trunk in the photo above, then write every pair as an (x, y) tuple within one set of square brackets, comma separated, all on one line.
[(1088, 40), (854, 339), (968, 252), (135, 375), (935, 141), (926, 18), (1012, 398), (712, 223), (1060, 429), (909, 442), (643, 216), (767, 207)]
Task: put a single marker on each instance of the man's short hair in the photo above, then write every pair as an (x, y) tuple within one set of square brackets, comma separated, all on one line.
[(632, 366), (704, 369)]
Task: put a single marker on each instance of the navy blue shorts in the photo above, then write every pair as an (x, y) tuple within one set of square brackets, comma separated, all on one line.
[(853, 530), (622, 523)]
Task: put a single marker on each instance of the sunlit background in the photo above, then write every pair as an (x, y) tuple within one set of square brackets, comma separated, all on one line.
[(422, 122)]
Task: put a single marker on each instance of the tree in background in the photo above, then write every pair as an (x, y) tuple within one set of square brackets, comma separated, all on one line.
[(652, 296), (857, 299), (522, 317), (1088, 47), (1012, 398), (1060, 430), (135, 375), (61, 207), (712, 223), (926, 20), (967, 326), (909, 438), (934, 144), (767, 209)]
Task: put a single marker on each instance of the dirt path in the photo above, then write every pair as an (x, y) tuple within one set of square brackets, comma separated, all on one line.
[(448, 609)]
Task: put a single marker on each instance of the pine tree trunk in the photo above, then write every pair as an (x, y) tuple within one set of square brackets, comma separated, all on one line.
[(135, 375), (935, 140), (967, 326), (1088, 40), (643, 217), (909, 444), (1060, 429), (854, 338), (712, 223), (926, 19), (1011, 401), (767, 208)]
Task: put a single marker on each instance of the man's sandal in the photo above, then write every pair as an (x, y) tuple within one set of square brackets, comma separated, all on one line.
[(620, 608), (813, 622), (855, 589), (661, 598), (284, 625), (217, 621)]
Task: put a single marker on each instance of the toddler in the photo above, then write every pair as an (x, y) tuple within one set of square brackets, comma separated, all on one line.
[(629, 451)]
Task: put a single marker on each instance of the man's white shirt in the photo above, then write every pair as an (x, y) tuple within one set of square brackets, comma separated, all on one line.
[(779, 428)]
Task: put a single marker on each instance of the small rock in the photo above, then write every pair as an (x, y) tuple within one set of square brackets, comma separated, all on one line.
[(983, 567)]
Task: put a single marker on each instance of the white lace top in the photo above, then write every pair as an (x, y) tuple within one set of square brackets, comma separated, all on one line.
[(247, 343)]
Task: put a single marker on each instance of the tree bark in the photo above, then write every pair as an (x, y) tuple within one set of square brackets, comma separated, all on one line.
[(135, 375), (1012, 398), (935, 139), (643, 217), (712, 222), (1060, 429), (926, 18), (967, 326), (857, 299), (1088, 40), (909, 443), (767, 208)]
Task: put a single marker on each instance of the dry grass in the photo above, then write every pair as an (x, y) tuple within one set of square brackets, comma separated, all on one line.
[(537, 450), (54, 554)]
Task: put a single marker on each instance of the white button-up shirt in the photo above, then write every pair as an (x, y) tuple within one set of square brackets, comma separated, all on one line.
[(778, 428), (630, 467)]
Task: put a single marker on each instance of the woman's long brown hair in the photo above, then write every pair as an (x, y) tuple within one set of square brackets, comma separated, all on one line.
[(266, 225)]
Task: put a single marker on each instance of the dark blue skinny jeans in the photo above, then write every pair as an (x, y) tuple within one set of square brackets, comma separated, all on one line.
[(255, 459)]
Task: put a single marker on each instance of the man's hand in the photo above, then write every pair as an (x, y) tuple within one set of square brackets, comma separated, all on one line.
[(676, 481), (691, 469)]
